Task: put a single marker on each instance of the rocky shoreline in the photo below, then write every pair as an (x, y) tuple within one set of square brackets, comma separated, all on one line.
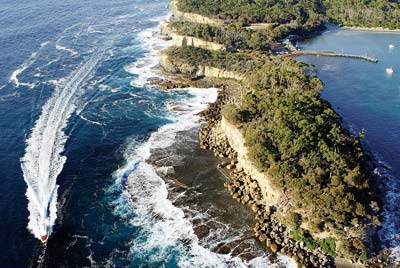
[(242, 186), (196, 186), (246, 190), (166, 83)]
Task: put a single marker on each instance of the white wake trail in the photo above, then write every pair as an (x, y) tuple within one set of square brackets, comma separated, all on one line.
[(43, 162)]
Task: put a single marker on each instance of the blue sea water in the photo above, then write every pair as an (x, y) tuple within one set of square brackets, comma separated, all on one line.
[(44, 46), (82, 54), (77, 124), (367, 97)]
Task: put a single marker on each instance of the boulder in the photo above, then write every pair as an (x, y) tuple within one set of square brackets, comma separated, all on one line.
[(202, 231), (274, 247)]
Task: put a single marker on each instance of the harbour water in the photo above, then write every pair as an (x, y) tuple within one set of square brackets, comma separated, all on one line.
[(368, 98)]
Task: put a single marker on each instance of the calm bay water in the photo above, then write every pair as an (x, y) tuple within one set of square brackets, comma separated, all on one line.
[(368, 98)]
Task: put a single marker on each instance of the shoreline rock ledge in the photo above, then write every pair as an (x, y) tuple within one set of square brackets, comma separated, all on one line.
[(246, 190)]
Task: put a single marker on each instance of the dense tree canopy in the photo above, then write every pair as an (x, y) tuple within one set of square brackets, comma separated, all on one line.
[(296, 137), (232, 36), (305, 13), (292, 133), (362, 13)]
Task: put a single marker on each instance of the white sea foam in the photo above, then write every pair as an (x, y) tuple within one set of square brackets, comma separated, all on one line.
[(45, 43), (14, 76), (26, 64), (146, 67), (163, 225), (43, 162), (70, 50), (90, 121), (390, 232)]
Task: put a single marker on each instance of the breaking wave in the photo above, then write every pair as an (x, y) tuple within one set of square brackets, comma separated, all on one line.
[(147, 66), (167, 234), (390, 232)]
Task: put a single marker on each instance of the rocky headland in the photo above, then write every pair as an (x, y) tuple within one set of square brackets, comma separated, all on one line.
[(246, 181)]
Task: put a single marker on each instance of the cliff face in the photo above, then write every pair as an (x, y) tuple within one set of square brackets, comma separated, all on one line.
[(248, 184), (196, 71), (251, 187), (182, 40), (192, 17), (235, 139), (283, 222)]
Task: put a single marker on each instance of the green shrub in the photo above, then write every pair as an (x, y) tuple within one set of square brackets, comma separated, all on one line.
[(294, 220), (328, 246), (297, 138), (304, 236)]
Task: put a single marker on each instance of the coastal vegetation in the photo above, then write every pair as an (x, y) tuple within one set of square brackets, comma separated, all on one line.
[(282, 18), (327, 245), (291, 133), (377, 13), (237, 62), (300, 14), (295, 136), (232, 35)]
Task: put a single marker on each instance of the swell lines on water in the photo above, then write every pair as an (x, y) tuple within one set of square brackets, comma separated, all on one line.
[(43, 162), (45, 52)]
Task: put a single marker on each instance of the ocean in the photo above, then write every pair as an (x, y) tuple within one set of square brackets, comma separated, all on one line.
[(79, 132)]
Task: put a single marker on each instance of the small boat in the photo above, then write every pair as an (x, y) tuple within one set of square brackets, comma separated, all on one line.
[(43, 238), (45, 235), (45, 229), (389, 70), (391, 46)]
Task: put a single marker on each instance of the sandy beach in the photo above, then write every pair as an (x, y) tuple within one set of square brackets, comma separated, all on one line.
[(372, 29)]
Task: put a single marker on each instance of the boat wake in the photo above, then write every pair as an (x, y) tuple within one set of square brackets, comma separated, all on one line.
[(20, 69), (14, 76), (43, 159)]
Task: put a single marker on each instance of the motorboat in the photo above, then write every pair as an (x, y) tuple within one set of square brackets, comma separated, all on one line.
[(389, 70), (44, 237)]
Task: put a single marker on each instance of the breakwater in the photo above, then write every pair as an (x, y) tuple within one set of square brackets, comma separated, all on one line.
[(331, 54)]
